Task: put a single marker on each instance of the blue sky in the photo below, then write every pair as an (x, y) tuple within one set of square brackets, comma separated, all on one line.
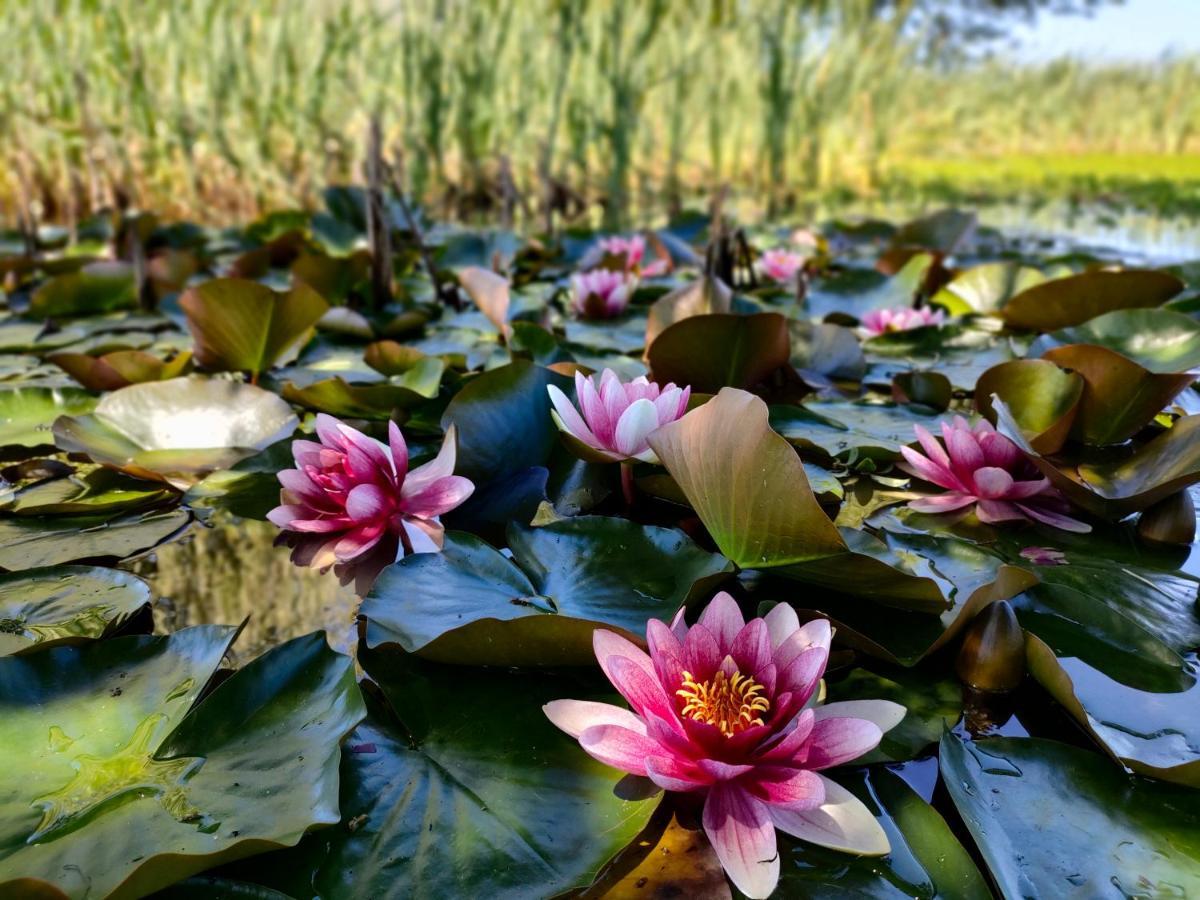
[(1135, 29)]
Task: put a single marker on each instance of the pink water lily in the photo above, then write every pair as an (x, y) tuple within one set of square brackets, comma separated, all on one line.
[(780, 265), (351, 496), (632, 251), (900, 318), (617, 417), (601, 293), (982, 468), (724, 710)]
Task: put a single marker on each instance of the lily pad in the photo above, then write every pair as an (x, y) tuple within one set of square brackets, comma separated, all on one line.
[(126, 785), (96, 288), (1043, 397), (29, 542), (84, 493), (1062, 302), (178, 430), (111, 371), (710, 352), (41, 608), (245, 326), (850, 430), (471, 604), (986, 288), (26, 413), (1161, 341), (1056, 821), (926, 860), (708, 295)]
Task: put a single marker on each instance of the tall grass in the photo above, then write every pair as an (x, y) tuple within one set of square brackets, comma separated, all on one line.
[(217, 109)]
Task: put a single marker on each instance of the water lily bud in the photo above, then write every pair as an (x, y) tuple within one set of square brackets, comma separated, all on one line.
[(1169, 521), (992, 657)]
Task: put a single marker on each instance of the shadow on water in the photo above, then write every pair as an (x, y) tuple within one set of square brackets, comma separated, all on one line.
[(230, 571)]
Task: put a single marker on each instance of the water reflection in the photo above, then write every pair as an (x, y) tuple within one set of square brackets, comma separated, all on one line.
[(232, 570)]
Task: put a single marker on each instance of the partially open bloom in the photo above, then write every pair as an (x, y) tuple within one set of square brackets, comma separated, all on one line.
[(632, 250), (617, 418), (900, 318), (351, 497), (780, 265), (981, 467), (723, 710), (601, 293)]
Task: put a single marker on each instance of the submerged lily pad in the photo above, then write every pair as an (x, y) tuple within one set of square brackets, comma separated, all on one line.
[(470, 604), (180, 429), (29, 542), (26, 413), (40, 608), (126, 785)]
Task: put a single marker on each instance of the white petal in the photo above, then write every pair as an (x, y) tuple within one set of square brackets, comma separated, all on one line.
[(884, 713), (634, 425), (841, 823)]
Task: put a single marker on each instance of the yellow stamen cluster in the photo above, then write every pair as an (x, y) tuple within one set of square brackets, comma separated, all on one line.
[(731, 704)]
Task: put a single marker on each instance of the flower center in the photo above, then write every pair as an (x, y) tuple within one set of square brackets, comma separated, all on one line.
[(731, 704)]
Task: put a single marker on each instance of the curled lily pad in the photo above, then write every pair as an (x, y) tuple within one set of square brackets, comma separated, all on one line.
[(1043, 397), (1115, 488), (97, 491), (823, 352), (121, 368), (986, 288), (1161, 341), (245, 326), (26, 413), (489, 292), (1052, 820), (708, 295), (1119, 396), (470, 604), (1062, 302), (710, 352), (178, 430), (40, 608), (339, 397), (127, 784)]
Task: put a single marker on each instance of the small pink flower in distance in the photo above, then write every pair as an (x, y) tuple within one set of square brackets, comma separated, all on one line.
[(900, 318), (982, 468), (1044, 556), (780, 265), (617, 418), (632, 250), (351, 495), (601, 293), (725, 710)]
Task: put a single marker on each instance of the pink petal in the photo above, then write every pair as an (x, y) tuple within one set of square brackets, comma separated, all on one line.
[(814, 633), (672, 774), (576, 716), (357, 542), (1055, 520), (571, 421), (916, 464), (399, 450), (801, 676), (793, 739), (841, 822), (787, 787), (742, 833), (751, 649), (965, 454), (992, 483), (667, 654), (942, 503), (329, 432), (932, 447), (282, 516), (420, 478), (621, 748), (884, 713), (839, 740), (366, 502), (424, 535), (993, 511), (701, 652), (592, 408), (440, 497), (782, 623), (1022, 490), (321, 526), (635, 423), (723, 619)]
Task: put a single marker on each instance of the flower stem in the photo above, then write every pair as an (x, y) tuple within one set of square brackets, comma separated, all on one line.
[(627, 489)]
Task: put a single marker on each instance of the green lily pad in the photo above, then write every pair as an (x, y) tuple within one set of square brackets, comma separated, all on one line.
[(503, 420), (96, 288), (471, 604), (986, 288), (624, 335), (178, 430), (120, 368), (29, 542), (850, 430), (1161, 341), (1043, 397), (41, 608), (1063, 302), (710, 352), (340, 398), (826, 351), (26, 413), (465, 790), (856, 293), (1055, 821), (127, 785), (100, 491), (926, 860), (707, 295), (244, 326)]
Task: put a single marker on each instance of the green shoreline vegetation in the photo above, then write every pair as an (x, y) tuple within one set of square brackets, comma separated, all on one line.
[(495, 109)]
